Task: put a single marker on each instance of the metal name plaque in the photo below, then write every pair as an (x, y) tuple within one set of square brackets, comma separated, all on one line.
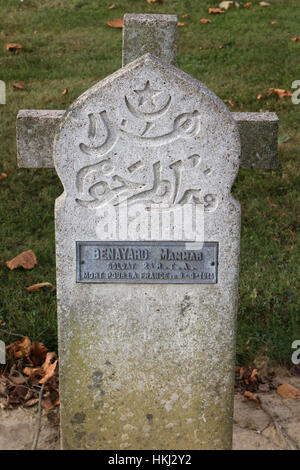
[(147, 262)]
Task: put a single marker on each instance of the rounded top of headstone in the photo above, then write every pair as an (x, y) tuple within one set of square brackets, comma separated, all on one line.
[(149, 132)]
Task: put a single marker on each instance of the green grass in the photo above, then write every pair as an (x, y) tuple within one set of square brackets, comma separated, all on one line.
[(238, 56)]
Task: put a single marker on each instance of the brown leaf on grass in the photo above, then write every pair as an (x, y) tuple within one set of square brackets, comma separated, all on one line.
[(265, 4), (26, 260), (21, 348), (230, 102), (38, 353), (274, 22), (215, 11), (279, 92), (295, 39), (288, 391), (251, 396), (118, 23), (65, 91), (180, 24), (154, 1), (13, 46), (185, 15), (35, 31), (259, 97), (36, 287), (247, 5), (3, 176), (205, 21), (111, 6), (19, 86)]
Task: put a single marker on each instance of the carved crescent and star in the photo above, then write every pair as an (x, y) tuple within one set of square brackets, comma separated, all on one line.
[(108, 185)]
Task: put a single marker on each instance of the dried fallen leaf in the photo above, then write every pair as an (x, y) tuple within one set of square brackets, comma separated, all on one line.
[(111, 6), (20, 391), (35, 31), (18, 379), (3, 176), (251, 396), (38, 353), (154, 1), (118, 23), (260, 96), (215, 11), (20, 348), (50, 402), (26, 260), (36, 287), (265, 4), (279, 92), (288, 391), (230, 102), (12, 46), (50, 372), (65, 92), (185, 15), (19, 86), (247, 5), (274, 22), (31, 402), (245, 373), (295, 39), (49, 367), (33, 372), (180, 24), (204, 21)]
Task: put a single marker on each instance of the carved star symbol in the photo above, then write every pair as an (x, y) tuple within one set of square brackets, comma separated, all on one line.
[(147, 94)]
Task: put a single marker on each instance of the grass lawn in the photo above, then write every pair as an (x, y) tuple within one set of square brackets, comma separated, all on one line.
[(67, 44)]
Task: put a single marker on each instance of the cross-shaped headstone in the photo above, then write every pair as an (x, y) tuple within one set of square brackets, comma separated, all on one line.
[(147, 251), (157, 35)]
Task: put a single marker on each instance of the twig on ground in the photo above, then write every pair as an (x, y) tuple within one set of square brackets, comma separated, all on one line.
[(38, 429), (10, 333)]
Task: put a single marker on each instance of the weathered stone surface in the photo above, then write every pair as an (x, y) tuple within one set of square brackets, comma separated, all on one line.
[(258, 132), (35, 137), (259, 139), (148, 366), (154, 34), (2, 92)]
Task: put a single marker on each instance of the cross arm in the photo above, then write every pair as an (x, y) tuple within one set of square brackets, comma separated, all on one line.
[(259, 139), (35, 136), (36, 130)]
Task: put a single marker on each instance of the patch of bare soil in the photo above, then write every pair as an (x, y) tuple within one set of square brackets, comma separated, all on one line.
[(18, 428), (254, 429)]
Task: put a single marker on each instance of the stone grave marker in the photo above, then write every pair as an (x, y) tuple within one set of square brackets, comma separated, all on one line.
[(146, 320), (147, 253), (146, 323)]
